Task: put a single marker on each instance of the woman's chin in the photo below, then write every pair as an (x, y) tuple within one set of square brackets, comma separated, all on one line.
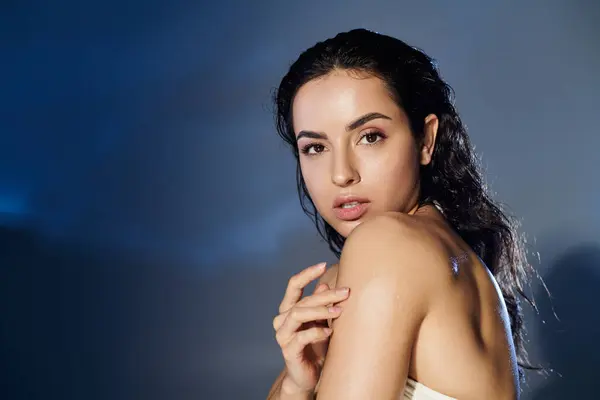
[(344, 228)]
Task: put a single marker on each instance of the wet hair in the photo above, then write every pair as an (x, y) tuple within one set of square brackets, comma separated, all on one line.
[(452, 180)]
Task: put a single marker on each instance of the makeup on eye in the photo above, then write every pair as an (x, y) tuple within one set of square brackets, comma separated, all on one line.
[(307, 147)]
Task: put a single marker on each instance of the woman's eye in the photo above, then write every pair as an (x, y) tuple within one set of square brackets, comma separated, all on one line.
[(313, 149), (371, 138)]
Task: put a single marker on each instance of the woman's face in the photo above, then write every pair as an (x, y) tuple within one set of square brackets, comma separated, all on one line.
[(354, 140)]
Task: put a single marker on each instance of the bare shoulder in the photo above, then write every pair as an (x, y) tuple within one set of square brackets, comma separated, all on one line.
[(392, 226), (402, 246)]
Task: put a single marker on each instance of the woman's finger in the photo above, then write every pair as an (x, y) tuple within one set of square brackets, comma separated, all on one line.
[(330, 296), (321, 287), (303, 339), (297, 283), (323, 296), (278, 319), (300, 315)]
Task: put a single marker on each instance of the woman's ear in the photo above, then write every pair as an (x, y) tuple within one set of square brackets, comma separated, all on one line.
[(429, 134)]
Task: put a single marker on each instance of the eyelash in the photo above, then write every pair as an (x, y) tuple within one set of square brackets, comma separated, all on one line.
[(305, 149)]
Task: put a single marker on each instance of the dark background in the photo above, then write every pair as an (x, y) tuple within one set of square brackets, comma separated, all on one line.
[(149, 219)]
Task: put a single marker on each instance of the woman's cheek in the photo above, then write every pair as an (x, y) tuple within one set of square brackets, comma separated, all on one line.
[(318, 190), (312, 179)]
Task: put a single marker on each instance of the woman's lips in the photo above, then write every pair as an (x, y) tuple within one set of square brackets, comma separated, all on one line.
[(351, 213)]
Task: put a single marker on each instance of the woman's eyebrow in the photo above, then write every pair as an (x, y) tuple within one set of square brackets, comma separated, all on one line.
[(364, 119), (350, 127)]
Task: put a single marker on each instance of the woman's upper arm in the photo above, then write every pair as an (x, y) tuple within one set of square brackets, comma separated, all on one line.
[(370, 349)]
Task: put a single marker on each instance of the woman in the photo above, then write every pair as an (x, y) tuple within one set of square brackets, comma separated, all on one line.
[(434, 267)]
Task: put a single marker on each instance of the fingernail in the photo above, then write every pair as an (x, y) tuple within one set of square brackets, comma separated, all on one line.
[(335, 309), (342, 290), (320, 266)]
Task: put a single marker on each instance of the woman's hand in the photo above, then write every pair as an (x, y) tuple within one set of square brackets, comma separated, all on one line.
[(301, 329)]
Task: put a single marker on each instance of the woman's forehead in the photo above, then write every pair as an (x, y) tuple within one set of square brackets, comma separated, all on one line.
[(340, 97)]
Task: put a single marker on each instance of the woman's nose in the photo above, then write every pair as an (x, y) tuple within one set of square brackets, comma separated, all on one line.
[(344, 172)]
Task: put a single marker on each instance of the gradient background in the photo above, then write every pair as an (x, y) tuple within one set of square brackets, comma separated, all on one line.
[(148, 210)]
